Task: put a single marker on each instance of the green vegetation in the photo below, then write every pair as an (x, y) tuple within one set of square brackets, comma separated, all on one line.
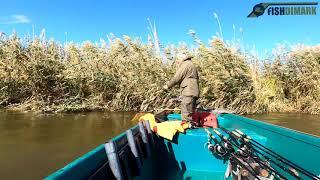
[(127, 75)]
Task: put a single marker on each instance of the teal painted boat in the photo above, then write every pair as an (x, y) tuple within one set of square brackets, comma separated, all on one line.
[(258, 151)]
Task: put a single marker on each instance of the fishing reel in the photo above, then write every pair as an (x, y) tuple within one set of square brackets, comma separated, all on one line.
[(228, 146), (217, 149), (245, 151)]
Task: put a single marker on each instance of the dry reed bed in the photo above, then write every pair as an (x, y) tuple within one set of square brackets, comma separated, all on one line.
[(127, 75)]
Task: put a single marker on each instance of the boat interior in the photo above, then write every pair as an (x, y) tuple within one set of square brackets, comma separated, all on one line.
[(187, 155)]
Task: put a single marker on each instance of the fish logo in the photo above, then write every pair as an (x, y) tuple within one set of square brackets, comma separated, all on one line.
[(284, 8)]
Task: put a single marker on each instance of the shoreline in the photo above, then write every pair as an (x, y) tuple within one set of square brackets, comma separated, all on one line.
[(25, 108)]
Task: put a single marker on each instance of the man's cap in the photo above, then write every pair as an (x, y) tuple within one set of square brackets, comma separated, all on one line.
[(183, 56)]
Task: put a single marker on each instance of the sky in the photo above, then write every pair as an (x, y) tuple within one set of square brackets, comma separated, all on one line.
[(92, 19)]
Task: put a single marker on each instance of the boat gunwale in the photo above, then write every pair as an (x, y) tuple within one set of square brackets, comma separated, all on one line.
[(277, 126), (120, 139)]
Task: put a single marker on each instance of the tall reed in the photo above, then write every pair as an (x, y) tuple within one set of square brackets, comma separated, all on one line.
[(127, 75)]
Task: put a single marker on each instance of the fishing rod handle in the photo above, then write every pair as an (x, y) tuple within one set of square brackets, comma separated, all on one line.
[(217, 132), (236, 134), (242, 134), (209, 133), (240, 137), (228, 132), (220, 135)]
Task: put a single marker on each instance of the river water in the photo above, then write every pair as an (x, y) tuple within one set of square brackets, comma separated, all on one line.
[(33, 146)]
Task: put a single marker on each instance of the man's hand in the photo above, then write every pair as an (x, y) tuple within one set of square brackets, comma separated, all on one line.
[(165, 87)]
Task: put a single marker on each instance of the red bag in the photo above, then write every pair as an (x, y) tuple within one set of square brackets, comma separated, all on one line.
[(205, 119)]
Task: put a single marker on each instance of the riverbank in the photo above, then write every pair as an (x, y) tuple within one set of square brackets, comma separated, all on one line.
[(127, 75), (83, 108)]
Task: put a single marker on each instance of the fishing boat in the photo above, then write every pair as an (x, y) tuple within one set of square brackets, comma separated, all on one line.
[(220, 146)]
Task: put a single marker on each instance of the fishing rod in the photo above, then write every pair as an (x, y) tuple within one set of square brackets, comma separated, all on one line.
[(242, 152), (279, 157), (235, 157), (228, 145), (248, 154), (238, 136), (217, 148)]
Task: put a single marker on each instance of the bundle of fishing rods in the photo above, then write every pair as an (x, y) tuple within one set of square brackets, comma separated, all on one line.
[(249, 159)]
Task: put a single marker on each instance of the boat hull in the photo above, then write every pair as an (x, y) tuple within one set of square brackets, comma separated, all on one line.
[(187, 156)]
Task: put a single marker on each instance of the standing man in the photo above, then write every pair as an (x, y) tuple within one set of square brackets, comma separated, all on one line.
[(187, 77)]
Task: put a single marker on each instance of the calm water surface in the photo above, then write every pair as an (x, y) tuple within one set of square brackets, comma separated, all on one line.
[(306, 123), (33, 146)]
